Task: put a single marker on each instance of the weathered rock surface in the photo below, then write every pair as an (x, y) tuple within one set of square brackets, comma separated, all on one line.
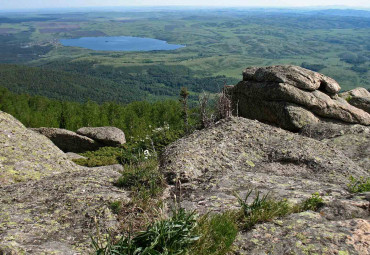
[(57, 214), (68, 141), (109, 136), (357, 92), (55, 205), (239, 154), (292, 97), (358, 97), (293, 75), (352, 140), (72, 156), (25, 155)]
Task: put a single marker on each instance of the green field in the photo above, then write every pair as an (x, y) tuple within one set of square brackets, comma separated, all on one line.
[(218, 43)]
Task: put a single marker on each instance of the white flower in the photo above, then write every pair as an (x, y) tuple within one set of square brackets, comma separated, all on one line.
[(146, 154)]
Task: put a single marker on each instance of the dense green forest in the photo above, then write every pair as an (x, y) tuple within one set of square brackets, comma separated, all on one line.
[(137, 120), (81, 81)]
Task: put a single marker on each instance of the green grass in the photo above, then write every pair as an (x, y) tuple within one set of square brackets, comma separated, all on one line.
[(116, 206), (359, 185), (217, 233), (264, 208), (102, 157), (144, 180)]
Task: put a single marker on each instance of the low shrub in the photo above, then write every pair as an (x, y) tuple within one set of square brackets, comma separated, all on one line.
[(359, 185), (313, 203)]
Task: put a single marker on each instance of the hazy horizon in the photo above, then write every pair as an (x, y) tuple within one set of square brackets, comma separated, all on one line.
[(53, 4)]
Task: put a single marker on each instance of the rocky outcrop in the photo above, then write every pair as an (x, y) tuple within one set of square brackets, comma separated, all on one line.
[(49, 205), (68, 141), (109, 136), (238, 154), (25, 155), (292, 97), (358, 97)]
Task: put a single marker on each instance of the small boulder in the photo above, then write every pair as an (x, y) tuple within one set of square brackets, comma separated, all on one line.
[(109, 136), (68, 141), (358, 97), (357, 92)]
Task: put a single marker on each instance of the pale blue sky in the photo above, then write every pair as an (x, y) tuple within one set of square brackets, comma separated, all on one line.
[(24, 4)]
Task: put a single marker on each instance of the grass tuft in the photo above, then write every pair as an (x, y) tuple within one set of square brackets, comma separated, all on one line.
[(262, 209), (173, 236), (116, 206), (143, 179), (217, 233)]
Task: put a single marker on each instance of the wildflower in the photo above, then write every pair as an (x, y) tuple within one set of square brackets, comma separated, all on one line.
[(146, 154)]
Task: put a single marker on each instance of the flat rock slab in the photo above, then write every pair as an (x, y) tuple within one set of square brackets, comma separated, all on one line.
[(57, 214), (110, 136), (307, 233)]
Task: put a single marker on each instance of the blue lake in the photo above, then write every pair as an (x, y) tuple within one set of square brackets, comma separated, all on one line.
[(120, 43)]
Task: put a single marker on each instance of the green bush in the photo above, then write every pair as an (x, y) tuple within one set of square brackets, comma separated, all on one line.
[(172, 236), (313, 203), (359, 185)]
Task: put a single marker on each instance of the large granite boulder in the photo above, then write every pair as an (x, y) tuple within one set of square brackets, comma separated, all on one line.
[(209, 166), (109, 136), (358, 97), (68, 141), (48, 204), (25, 155), (292, 97)]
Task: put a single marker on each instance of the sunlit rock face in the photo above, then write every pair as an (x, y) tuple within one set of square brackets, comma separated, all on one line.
[(292, 97)]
